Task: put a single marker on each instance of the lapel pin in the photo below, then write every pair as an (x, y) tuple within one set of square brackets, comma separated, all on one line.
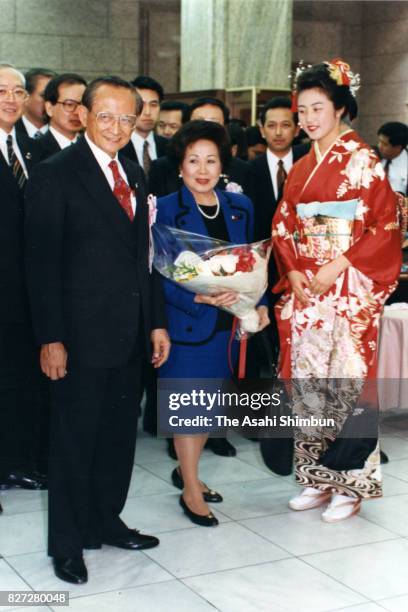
[(235, 217), (28, 155)]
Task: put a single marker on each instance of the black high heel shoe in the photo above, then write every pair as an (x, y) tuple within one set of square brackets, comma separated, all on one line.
[(208, 520), (209, 496)]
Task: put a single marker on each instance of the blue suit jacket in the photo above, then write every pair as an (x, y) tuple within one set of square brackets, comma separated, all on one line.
[(191, 323)]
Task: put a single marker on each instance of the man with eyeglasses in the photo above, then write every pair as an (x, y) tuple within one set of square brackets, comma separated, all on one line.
[(62, 96), (19, 372), (98, 312)]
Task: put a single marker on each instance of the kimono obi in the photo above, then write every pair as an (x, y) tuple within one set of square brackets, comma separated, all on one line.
[(325, 228)]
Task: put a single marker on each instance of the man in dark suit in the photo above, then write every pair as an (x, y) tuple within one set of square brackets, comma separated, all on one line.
[(145, 145), (278, 126), (62, 97), (33, 122), (164, 176), (96, 311), (19, 372)]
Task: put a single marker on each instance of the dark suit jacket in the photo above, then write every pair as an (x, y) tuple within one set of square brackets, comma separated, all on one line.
[(13, 303), (262, 194), (49, 145), (87, 263), (161, 147), (164, 177), (21, 128)]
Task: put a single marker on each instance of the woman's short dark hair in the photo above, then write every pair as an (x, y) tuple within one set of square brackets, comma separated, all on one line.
[(318, 77), (191, 132)]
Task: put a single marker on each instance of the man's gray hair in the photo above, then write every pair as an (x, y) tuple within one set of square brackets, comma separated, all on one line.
[(14, 69)]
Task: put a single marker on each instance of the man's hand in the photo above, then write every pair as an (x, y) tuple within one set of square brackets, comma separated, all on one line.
[(298, 281), (161, 347), (53, 360), (327, 275), (226, 298), (263, 317)]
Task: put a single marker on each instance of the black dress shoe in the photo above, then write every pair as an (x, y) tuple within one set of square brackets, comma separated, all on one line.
[(71, 569), (209, 496), (221, 446), (134, 541), (171, 451), (207, 520), (18, 480), (383, 457)]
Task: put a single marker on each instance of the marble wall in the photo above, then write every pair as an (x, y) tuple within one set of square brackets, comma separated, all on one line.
[(92, 37), (228, 44)]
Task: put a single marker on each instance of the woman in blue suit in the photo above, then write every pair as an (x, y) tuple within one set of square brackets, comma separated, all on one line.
[(199, 329)]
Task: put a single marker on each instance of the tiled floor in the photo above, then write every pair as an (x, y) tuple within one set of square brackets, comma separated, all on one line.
[(261, 558)]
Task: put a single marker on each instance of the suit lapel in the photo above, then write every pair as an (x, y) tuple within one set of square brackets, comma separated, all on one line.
[(7, 179), (96, 184), (26, 150), (267, 182)]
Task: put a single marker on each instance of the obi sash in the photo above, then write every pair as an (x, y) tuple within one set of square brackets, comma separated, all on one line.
[(325, 228)]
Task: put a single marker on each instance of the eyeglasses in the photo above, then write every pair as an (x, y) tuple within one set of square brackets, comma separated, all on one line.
[(106, 120), (69, 105), (19, 93)]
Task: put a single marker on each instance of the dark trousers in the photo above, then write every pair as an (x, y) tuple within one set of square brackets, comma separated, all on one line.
[(20, 401), (149, 385), (92, 445)]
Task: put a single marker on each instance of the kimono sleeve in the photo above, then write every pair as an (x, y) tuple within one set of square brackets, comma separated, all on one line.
[(283, 240)]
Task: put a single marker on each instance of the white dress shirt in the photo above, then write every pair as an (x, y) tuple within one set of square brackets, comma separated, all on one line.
[(33, 129), (62, 140), (273, 161), (138, 143), (398, 172), (3, 148), (104, 160)]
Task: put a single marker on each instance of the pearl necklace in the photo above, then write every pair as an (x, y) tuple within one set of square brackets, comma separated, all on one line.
[(217, 206)]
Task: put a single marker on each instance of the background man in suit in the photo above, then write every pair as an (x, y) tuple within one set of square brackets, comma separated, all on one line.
[(171, 117), (19, 372), (392, 145), (278, 126), (145, 145), (33, 123), (96, 309), (62, 97), (164, 176)]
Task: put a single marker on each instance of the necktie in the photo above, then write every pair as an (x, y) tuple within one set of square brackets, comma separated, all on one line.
[(280, 178), (121, 190), (38, 134), (146, 157), (16, 167)]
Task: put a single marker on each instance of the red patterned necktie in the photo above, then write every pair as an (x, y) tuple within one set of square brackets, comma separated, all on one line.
[(122, 191), (280, 178)]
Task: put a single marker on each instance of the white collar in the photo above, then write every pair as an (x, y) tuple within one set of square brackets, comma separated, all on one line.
[(62, 140), (101, 156), (33, 129), (139, 140), (4, 135), (274, 159)]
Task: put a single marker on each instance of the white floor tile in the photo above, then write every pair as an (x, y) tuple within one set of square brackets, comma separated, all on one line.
[(394, 447), (302, 533), (9, 580), (15, 501), (397, 468), (377, 571), (145, 483), (157, 513), (395, 604), (214, 470), (283, 586), (389, 512), (211, 549), (255, 498), (166, 596), (22, 533), (252, 456), (150, 449), (369, 607), (394, 486), (108, 569)]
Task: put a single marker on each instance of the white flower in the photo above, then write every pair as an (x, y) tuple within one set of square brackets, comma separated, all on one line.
[(351, 145), (281, 229), (250, 322), (358, 169), (361, 210), (233, 187), (379, 171)]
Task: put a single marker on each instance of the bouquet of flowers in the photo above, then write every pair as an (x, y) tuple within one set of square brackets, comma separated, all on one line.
[(205, 265)]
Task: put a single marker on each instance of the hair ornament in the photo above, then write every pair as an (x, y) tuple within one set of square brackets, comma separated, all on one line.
[(340, 73), (293, 77)]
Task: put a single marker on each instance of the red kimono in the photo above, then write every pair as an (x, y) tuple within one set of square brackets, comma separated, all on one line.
[(338, 203)]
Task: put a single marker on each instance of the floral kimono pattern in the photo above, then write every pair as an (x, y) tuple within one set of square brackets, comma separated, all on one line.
[(339, 203)]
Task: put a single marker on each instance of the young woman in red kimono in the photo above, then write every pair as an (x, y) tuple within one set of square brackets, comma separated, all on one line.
[(337, 246)]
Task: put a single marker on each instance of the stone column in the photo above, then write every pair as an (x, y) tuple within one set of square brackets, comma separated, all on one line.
[(235, 43)]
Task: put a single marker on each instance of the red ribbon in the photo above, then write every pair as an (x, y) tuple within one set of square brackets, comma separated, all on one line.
[(243, 345)]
